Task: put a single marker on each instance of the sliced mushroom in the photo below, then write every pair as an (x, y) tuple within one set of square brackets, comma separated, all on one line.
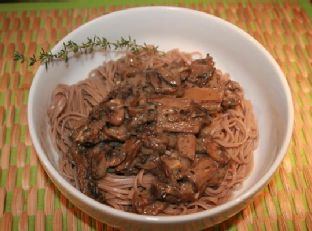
[(118, 133), (116, 112), (90, 133), (202, 71), (201, 172), (186, 145), (216, 153), (131, 148)]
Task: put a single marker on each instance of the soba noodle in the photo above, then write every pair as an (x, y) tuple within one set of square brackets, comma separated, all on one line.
[(234, 130)]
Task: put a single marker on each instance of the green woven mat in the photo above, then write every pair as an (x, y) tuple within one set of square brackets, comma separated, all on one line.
[(28, 200)]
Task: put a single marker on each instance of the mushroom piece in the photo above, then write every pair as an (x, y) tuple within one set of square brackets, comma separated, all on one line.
[(216, 153), (186, 145), (118, 133), (131, 148), (201, 172), (91, 133), (116, 113), (202, 71)]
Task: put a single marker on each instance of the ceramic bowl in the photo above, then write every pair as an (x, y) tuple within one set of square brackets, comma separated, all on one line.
[(234, 52)]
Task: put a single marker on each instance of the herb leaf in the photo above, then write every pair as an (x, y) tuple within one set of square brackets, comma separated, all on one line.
[(18, 57), (70, 48)]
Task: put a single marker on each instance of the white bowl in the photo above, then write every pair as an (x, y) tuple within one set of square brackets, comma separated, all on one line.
[(234, 51)]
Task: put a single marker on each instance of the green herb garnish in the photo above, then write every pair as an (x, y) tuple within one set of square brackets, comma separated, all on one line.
[(71, 48)]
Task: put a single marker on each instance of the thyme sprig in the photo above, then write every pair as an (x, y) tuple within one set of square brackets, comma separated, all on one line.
[(71, 48)]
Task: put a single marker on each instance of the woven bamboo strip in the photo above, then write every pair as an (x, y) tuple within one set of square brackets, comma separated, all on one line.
[(64, 204), (308, 220), (27, 138), (17, 203), (2, 111), (242, 225), (33, 158), (2, 136), (298, 198), (270, 205), (258, 224), (57, 220), (20, 158), (259, 205), (15, 135), (282, 223), (5, 157), (7, 98), (2, 200), (25, 177), (23, 222), (49, 200), (40, 221), (285, 205), (71, 220), (18, 99), (41, 177), (14, 80), (85, 222), (247, 214), (99, 226), (6, 222), (285, 179), (284, 29), (32, 201), (298, 222)]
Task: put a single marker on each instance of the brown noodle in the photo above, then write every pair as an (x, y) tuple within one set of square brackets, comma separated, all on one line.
[(235, 130)]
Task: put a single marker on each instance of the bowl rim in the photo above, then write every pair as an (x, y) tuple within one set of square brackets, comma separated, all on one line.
[(55, 175)]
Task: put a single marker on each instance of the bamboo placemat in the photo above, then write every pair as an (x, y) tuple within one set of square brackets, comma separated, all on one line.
[(28, 200)]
